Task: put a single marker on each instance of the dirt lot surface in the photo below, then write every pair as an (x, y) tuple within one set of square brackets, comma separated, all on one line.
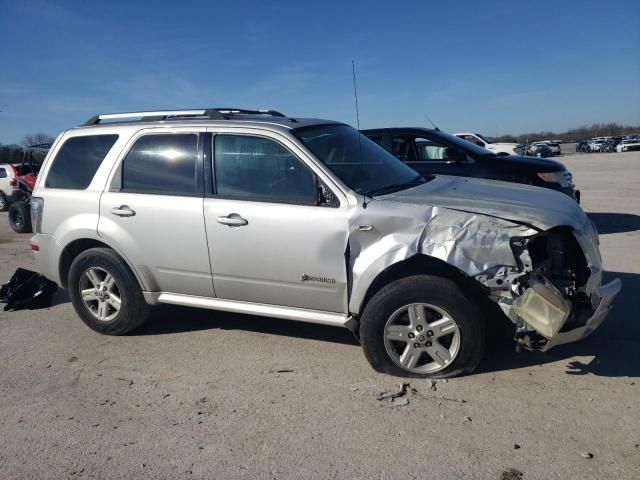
[(199, 394)]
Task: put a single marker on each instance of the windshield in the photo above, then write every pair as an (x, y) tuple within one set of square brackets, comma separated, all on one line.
[(360, 163)]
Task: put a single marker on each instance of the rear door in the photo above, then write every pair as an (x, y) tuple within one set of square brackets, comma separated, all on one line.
[(152, 211), (274, 236)]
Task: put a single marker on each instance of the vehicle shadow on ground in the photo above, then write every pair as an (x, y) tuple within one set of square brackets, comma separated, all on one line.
[(169, 319), (615, 222), (615, 346)]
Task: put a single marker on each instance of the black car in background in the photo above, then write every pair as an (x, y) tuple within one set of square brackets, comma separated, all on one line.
[(435, 152), (540, 150)]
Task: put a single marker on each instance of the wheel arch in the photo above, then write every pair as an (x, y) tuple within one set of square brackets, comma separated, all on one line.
[(421, 264), (79, 245)]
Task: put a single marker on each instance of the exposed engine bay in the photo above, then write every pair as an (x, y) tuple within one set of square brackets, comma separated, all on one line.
[(551, 295)]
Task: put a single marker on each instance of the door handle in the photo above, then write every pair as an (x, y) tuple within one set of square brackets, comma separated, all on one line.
[(123, 211), (232, 220)]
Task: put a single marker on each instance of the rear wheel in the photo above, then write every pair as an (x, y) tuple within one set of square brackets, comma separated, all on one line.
[(4, 202), (105, 293), (422, 326), (20, 217)]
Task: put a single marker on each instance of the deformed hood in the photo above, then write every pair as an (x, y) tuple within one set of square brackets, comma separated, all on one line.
[(535, 206)]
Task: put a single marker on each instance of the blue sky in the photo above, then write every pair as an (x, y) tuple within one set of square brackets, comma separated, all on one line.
[(487, 66)]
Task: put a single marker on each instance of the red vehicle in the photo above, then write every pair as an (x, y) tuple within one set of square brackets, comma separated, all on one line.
[(23, 185)]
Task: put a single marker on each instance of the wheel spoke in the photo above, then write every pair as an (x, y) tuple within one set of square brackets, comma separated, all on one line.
[(108, 282), (93, 277), (103, 310), (443, 326), (114, 301), (89, 295), (416, 315), (439, 353), (410, 356), (398, 332)]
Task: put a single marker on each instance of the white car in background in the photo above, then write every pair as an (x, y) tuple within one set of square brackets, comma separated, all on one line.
[(488, 143), (595, 143), (8, 185), (628, 145)]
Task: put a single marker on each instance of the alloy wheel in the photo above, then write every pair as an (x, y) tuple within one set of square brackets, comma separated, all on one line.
[(100, 294), (422, 338)]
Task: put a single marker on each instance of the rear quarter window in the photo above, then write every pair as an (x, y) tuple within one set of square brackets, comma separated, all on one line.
[(77, 161), (3, 173)]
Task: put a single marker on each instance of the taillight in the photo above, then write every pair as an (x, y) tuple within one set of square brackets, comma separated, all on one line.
[(37, 207), (13, 182)]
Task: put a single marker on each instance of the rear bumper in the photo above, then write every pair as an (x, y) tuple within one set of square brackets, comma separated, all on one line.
[(604, 296), (46, 251)]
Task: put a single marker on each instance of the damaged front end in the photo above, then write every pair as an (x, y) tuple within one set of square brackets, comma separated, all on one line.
[(546, 279), (557, 297)]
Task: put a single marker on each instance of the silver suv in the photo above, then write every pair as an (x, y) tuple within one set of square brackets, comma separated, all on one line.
[(255, 212)]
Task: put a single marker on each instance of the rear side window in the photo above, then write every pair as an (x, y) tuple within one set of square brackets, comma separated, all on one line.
[(78, 160), (3, 173), (162, 164)]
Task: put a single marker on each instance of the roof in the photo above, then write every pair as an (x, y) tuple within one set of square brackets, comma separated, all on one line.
[(400, 130), (202, 117)]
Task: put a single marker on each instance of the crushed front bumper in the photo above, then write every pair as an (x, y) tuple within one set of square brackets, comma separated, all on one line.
[(605, 294)]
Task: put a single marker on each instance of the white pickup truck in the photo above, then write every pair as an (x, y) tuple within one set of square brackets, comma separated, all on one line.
[(489, 144)]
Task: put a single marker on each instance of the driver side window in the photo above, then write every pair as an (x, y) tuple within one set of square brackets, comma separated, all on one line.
[(430, 151), (256, 168)]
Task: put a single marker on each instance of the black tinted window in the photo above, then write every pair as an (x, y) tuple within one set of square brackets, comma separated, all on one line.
[(77, 161), (164, 164), (3, 173), (261, 169)]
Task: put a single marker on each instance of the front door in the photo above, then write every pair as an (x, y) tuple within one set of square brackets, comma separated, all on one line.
[(270, 241), (152, 213)]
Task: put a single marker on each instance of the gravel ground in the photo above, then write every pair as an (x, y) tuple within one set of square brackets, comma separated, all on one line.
[(199, 394)]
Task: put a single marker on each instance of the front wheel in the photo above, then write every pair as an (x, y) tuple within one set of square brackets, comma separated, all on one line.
[(422, 326)]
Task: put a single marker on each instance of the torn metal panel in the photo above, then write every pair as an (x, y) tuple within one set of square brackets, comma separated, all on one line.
[(477, 245)]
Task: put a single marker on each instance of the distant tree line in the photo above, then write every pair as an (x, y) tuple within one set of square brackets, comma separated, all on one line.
[(573, 135), (13, 153)]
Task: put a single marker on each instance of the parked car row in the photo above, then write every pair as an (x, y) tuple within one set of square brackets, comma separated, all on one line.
[(608, 145), (252, 211)]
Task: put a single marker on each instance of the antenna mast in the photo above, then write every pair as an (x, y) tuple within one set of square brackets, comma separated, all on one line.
[(355, 92)]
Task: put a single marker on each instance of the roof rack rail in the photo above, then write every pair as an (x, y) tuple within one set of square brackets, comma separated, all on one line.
[(156, 115)]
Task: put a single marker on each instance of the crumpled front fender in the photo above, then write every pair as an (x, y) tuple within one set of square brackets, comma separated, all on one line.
[(478, 245)]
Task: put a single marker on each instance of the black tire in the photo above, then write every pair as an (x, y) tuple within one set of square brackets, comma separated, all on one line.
[(134, 310), (20, 217), (5, 203), (437, 291)]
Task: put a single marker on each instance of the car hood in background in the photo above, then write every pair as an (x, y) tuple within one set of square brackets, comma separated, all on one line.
[(536, 163), (539, 207)]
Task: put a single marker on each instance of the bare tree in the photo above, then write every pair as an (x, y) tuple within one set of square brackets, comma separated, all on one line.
[(36, 139)]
